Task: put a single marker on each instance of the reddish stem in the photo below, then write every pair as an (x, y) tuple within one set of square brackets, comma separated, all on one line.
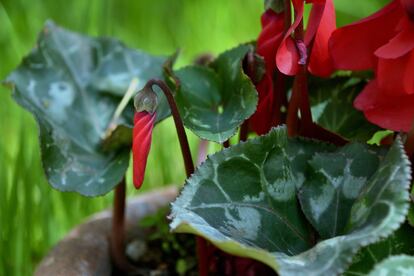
[(292, 115), (188, 163), (288, 15), (117, 238), (409, 144), (279, 84), (300, 97), (226, 144), (279, 98), (244, 131), (182, 137)]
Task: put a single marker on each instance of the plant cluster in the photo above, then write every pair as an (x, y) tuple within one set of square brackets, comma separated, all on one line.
[(299, 189)]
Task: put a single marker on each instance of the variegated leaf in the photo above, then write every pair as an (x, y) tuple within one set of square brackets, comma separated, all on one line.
[(243, 199), (72, 84)]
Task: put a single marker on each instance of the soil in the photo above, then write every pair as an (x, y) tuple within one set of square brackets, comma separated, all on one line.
[(161, 252), (164, 253)]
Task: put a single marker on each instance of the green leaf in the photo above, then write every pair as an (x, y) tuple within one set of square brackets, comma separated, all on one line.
[(328, 193), (401, 265), (58, 83), (243, 199), (120, 65), (400, 242), (332, 107), (214, 101)]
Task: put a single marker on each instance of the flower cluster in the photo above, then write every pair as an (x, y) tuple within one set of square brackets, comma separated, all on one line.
[(382, 42)]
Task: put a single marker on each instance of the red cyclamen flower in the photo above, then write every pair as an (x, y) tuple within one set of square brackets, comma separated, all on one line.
[(279, 47), (383, 42), (141, 144), (291, 53), (267, 44)]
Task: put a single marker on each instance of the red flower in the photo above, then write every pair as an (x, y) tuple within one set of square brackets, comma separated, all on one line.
[(291, 53), (270, 37), (383, 42), (282, 53), (386, 109), (261, 121), (141, 144), (267, 45)]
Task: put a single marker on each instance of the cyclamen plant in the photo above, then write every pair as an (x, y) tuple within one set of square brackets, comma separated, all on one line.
[(300, 190)]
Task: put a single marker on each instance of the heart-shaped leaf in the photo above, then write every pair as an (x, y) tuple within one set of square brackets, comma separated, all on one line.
[(401, 265), (243, 199), (214, 101), (332, 107), (57, 82)]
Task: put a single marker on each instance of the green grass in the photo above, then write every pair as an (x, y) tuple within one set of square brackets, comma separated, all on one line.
[(33, 216)]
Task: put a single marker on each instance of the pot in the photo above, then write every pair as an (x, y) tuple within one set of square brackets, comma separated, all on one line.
[(85, 250)]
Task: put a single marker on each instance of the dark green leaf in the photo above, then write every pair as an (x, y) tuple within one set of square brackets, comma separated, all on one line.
[(400, 242), (120, 65), (214, 101), (401, 265), (332, 107), (243, 199), (54, 84), (327, 194)]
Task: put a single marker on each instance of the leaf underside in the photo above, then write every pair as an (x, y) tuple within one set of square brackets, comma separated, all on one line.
[(245, 200), (214, 101), (72, 85)]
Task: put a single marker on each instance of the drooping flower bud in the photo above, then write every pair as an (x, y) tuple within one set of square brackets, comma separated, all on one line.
[(141, 144), (145, 103)]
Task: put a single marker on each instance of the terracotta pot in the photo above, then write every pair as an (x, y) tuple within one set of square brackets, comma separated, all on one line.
[(85, 250)]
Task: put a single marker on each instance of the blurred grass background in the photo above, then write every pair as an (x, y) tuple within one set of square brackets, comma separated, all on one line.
[(33, 216)]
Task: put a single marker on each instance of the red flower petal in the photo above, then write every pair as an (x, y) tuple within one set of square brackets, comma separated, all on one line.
[(141, 144), (270, 37), (287, 57), (320, 63), (352, 47), (400, 45), (395, 113), (261, 121), (396, 76)]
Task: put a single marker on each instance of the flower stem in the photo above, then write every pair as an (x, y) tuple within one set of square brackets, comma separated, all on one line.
[(226, 144), (409, 143), (300, 97), (188, 163), (244, 131), (117, 239), (182, 137)]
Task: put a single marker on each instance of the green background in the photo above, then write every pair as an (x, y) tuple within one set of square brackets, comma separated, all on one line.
[(33, 216)]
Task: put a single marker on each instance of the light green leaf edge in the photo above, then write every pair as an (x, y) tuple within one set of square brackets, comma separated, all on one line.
[(401, 265), (306, 262)]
